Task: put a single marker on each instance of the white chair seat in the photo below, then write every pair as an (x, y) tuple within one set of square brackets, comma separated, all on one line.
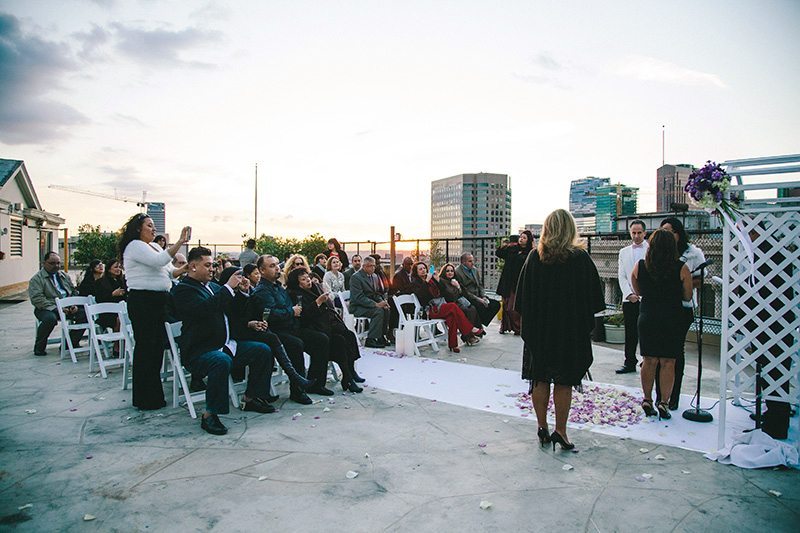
[(425, 330)]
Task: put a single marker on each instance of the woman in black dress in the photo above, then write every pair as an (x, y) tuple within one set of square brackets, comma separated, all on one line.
[(514, 254), (664, 283), (92, 274), (558, 294), (319, 314), (110, 288)]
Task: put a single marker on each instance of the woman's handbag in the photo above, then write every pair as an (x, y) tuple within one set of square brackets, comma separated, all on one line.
[(463, 303)]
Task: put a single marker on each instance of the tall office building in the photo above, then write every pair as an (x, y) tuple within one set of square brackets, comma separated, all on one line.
[(583, 201), (614, 201), (670, 181), (471, 205), (158, 212)]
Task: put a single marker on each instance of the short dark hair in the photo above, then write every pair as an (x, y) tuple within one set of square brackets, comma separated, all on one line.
[(261, 259), (251, 243), (293, 279), (248, 269), (197, 252), (49, 254), (640, 222), (160, 238), (354, 256)]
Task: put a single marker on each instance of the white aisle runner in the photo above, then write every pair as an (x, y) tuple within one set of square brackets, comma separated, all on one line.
[(496, 391)]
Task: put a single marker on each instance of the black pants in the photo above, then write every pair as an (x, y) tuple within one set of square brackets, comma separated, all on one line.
[(316, 344), (630, 311), (47, 322), (147, 312), (487, 312)]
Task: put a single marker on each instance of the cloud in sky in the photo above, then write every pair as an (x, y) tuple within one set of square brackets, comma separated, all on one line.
[(651, 69), (30, 67), (91, 42), (161, 46), (546, 61)]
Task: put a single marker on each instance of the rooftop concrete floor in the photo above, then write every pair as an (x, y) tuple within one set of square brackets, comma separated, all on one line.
[(86, 451)]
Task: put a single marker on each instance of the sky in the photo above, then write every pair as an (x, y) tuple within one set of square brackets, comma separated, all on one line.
[(351, 109)]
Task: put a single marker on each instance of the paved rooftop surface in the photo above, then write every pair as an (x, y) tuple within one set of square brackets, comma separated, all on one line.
[(86, 451)]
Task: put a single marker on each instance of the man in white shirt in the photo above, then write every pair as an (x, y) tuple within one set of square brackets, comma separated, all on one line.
[(628, 257)]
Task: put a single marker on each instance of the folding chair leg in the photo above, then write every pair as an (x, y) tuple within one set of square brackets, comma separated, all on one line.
[(232, 393)]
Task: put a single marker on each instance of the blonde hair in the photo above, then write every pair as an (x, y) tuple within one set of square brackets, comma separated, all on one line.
[(287, 267), (559, 237)]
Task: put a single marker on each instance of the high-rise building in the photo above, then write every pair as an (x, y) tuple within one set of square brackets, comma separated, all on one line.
[(471, 205), (158, 212), (670, 181), (614, 201), (583, 201)]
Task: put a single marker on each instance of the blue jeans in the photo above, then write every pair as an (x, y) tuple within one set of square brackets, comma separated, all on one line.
[(217, 366)]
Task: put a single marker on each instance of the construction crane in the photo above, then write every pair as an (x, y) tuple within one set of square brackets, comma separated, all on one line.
[(142, 204)]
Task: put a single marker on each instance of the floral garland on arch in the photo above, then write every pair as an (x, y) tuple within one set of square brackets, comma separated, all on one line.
[(708, 187)]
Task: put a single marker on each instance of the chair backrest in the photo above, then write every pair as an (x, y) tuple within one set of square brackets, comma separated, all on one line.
[(347, 317), (173, 332), (406, 299), (69, 301), (93, 310)]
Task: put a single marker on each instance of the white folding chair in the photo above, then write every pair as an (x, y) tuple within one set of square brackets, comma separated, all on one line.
[(357, 324), (425, 330), (103, 340), (67, 326), (180, 387)]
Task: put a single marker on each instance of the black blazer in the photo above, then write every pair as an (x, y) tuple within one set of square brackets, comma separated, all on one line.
[(203, 316), (320, 318)]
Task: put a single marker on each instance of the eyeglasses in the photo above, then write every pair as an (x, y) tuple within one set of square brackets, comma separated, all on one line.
[(299, 264)]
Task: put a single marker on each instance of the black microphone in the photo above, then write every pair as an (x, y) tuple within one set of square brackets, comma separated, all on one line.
[(704, 265)]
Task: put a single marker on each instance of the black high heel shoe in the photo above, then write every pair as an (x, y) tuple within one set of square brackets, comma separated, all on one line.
[(544, 437), (663, 411), (556, 437)]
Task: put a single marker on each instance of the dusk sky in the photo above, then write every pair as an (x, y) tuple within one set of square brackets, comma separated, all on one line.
[(351, 108)]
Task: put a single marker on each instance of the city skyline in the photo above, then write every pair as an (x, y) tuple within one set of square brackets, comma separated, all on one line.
[(356, 107)]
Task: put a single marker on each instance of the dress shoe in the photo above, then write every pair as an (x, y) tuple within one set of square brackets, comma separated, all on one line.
[(356, 377), (321, 390), (301, 398), (374, 343), (39, 353), (626, 370), (211, 424), (256, 404), (197, 385), (270, 398), (352, 386)]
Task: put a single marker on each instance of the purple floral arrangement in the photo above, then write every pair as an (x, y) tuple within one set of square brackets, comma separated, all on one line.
[(708, 186)]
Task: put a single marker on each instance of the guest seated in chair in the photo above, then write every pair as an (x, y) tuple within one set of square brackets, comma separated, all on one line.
[(425, 287), (452, 293), (111, 288), (283, 321), (43, 289), (367, 300), (91, 276), (472, 289), (207, 348), (355, 266), (320, 315)]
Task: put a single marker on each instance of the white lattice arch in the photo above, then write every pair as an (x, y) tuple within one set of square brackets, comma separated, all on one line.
[(761, 301)]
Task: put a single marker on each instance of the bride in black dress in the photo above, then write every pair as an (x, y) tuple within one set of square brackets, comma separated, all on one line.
[(558, 294), (664, 284)]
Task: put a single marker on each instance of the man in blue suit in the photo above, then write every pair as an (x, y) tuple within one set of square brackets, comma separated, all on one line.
[(207, 348)]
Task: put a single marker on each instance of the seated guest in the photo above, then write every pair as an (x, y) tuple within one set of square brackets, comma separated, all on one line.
[(319, 314), (333, 280), (248, 255), (472, 289), (295, 261), (451, 292), (161, 241), (382, 277), (425, 287), (43, 289), (355, 266), (283, 321), (179, 265), (207, 348), (367, 300), (90, 276), (401, 282), (110, 288), (335, 250), (257, 330), (319, 268)]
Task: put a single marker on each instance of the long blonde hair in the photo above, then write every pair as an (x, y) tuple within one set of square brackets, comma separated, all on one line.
[(287, 267), (559, 237)]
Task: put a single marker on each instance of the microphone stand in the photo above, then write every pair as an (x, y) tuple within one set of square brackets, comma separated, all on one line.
[(697, 414)]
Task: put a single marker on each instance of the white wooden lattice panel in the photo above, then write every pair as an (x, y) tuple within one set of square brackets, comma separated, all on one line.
[(761, 303)]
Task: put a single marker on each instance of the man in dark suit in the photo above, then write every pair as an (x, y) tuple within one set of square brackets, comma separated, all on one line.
[(283, 314), (355, 266), (206, 345), (367, 300), (467, 276)]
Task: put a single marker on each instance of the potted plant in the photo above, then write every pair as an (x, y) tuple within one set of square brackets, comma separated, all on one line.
[(615, 328)]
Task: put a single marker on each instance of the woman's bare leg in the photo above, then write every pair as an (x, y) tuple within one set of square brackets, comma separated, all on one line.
[(562, 398), (540, 397)]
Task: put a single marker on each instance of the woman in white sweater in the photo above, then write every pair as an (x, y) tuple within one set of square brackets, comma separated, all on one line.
[(333, 280), (148, 272)]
